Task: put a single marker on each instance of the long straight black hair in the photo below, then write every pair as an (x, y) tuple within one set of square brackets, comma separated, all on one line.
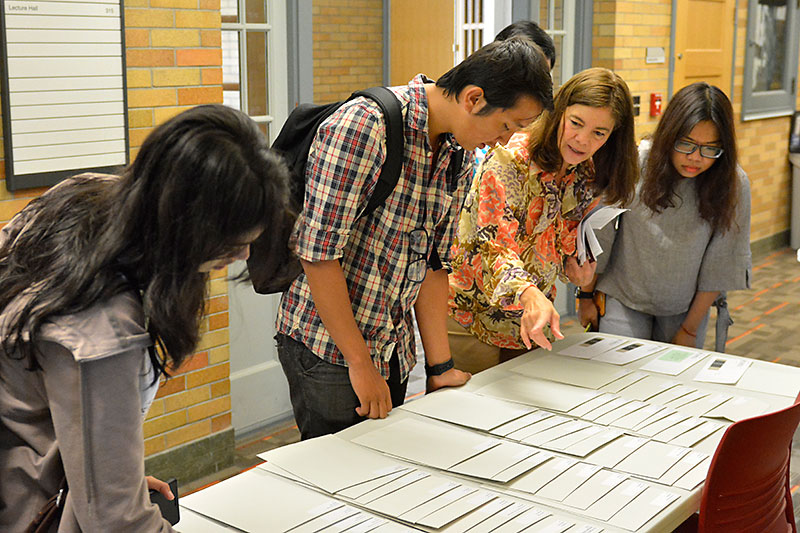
[(200, 182), (717, 187)]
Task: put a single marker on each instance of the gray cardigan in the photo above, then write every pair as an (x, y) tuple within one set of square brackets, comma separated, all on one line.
[(660, 260)]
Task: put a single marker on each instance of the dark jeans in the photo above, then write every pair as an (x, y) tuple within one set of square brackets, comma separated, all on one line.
[(322, 398)]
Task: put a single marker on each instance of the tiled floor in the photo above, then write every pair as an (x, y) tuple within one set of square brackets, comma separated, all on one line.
[(764, 328)]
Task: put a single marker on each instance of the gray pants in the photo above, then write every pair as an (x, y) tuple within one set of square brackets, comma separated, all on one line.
[(622, 320)]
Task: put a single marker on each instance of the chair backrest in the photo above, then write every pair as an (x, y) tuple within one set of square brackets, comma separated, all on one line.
[(747, 488)]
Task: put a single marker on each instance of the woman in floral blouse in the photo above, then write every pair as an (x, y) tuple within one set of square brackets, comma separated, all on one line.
[(517, 231)]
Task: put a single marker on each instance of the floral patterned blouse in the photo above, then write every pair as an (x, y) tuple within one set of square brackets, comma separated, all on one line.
[(517, 227)]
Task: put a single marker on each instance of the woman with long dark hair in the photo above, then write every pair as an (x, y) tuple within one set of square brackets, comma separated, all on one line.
[(93, 274), (687, 236), (517, 231)]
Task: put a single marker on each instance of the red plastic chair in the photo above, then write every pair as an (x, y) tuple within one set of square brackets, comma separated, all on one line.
[(747, 487)]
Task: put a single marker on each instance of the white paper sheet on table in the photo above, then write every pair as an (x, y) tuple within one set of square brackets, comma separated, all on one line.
[(615, 500), (523, 466), (652, 460), (439, 502), (725, 370), (695, 476), (347, 524), (310, 460), (628, 352), (192, 522), (578, 372), (674, 361), (556, 432), (449, 513), (675, 430), (489, 464), (412, 495), (600, 484), (543, 424), (408, 478), (612, 416), (498, 519), (672, 393), (357, 491), (660, 414), (424, 442), (562, 443), (615, 451), (646, 388), (538, 393), (739, 408), (625, 381), (562, 486), (593, 442), (224, 502), (643, 508), (328, 519), (656, 427), (542, 475), (586, 407), (467, 409), (523, 521), (762, 377), (679, 469), (693, 396), (693, 436), (596, 413), (591, 347), (551, 524), (519, 423), (479, 515), (633, 419)]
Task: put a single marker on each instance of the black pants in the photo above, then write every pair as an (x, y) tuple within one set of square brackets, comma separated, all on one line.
[(323, 400)]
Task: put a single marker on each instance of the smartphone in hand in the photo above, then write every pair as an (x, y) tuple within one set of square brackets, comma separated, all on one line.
[(169, 508)]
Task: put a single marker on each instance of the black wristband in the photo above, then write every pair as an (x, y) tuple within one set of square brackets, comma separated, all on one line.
[(583, 295), (438, 370)]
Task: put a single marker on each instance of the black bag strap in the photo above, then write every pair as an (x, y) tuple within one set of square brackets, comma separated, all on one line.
[(395, 145)]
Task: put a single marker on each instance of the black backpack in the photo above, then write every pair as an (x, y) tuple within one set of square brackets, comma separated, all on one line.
[(294, 142)]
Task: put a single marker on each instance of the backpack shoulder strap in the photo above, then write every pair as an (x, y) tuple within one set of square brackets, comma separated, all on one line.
[(395, 145)]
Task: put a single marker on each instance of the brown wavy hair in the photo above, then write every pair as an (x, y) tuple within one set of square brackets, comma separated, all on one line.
[(717, 187), (616, 162)]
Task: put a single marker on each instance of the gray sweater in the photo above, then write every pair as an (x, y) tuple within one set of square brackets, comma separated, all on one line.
[(660, 260)]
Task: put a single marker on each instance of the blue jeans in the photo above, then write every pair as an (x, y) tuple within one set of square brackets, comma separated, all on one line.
[(622, 320), (323, 400)]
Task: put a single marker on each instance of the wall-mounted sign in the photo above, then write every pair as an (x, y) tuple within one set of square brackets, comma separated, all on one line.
[(63, 89)]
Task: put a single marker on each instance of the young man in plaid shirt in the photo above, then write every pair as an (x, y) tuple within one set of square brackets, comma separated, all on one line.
[(345, 338)]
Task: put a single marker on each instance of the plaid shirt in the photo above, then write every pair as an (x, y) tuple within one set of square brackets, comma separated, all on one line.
[(343, 167)]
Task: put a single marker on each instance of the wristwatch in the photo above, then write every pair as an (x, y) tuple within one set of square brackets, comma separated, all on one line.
[(583, 295)]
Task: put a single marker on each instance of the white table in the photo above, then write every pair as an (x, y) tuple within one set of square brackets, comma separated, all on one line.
[(783, 379)]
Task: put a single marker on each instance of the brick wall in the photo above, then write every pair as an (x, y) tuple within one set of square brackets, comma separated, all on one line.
[(347, 47), (174, 61), (623, 29)]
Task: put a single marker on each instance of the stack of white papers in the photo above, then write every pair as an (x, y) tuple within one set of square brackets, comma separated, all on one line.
[(628, 352), (578, 372), (674, 361), (467, 409), (725, 370), (588, 247)]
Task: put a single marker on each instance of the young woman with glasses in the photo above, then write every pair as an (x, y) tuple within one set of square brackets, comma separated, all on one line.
[(687, 236), (92, 275), (517, 231)]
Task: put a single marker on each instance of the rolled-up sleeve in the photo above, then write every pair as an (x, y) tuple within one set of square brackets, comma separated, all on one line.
[(727, 263), (343, 167)]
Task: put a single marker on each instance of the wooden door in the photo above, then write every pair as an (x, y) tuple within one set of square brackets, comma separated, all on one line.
[(704, 43), (421, 38)]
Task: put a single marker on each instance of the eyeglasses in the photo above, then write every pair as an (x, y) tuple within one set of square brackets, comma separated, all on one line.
[(416, 269), (707, 151)]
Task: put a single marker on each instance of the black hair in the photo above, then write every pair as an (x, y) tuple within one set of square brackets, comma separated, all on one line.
[(201, 181), (717, 187), (532, 31), (505, 70)]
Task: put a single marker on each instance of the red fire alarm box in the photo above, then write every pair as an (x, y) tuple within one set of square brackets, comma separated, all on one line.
[(655, 104)]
